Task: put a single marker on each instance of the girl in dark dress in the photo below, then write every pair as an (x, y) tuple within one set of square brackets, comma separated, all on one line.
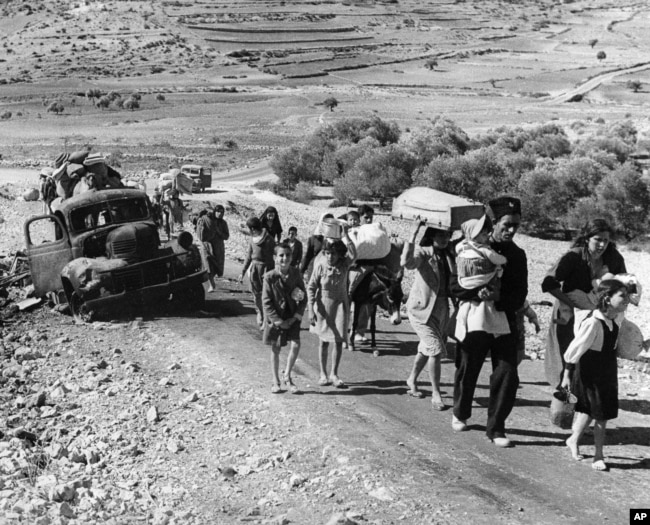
[(591, 370), (271, 223)]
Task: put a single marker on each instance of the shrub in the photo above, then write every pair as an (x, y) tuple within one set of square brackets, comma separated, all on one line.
[(55, 107), (160, 97), (131, 104), (304, 193), (634, 85), (330, 103), (103, 102), (6, 115), (601, 55), (431, 64), (442, 137)]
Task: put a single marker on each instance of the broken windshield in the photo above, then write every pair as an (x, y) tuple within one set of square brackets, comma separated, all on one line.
[(108, 212)]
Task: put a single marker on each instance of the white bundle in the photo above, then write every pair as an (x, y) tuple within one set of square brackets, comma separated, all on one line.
[(371, 241)]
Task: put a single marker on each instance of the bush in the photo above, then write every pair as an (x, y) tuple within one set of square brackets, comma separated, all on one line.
[(304, 193), (330, 103), (5, 115), (55, 107), (131, 104)]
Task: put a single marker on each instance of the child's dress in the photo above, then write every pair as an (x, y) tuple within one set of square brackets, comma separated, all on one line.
[(260, 260), (592, 355), (328, 297)]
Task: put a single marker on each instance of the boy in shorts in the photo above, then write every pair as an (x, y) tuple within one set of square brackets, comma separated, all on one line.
[(284, 300)]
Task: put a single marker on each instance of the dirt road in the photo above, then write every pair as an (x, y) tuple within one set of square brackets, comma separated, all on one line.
[(534, 482)]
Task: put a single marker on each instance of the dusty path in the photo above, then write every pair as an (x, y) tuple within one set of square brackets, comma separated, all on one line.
[(534, 482), (593, 83)]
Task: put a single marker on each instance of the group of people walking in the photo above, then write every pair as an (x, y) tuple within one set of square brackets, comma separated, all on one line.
[(474, 291)]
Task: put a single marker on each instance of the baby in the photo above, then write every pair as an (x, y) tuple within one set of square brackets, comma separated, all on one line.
[(479, 265), (479, 268)]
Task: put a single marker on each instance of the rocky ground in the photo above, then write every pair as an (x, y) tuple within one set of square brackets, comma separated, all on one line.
[(125, 422)]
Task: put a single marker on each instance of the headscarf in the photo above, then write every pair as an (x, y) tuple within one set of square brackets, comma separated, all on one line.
[(275, 229)]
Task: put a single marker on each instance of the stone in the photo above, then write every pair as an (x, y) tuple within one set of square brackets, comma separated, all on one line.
[(296, 480), (194, 396), (65, 510), (56, 451), (340, 519), (382, 494), (36, 400), (152, 415), (22, 433), (48, 412), (174, 366), (174, 446), (165, 381), (25, 354), (60, 493), (277, 520)]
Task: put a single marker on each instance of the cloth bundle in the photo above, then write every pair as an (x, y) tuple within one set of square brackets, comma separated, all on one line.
[(371, 241), (81, 171)]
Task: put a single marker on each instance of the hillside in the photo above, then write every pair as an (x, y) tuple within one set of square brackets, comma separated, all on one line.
[(226, 82)]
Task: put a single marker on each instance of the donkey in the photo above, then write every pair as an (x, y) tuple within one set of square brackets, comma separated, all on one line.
[(377, 283)]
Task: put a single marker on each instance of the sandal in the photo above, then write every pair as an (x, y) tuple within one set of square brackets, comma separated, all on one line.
[(323, 381), (337, 382), (275, 389)]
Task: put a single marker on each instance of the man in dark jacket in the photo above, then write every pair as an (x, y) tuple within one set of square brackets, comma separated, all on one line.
[(505, 213)]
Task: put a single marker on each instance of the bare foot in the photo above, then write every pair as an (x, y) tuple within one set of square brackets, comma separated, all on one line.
[(413, 390), (436, 401), (575, 451), (599, 464)]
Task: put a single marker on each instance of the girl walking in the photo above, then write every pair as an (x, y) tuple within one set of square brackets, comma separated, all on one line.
[(329, 305), (591, 370), (284, 299), (259, 259)]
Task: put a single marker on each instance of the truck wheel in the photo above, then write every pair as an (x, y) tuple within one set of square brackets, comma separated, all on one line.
[(79, 309), (202, 188)]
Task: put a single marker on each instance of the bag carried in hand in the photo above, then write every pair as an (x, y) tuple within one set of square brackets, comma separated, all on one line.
[(562, 409)]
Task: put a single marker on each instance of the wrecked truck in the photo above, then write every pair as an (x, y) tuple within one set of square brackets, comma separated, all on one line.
[(100, 251)]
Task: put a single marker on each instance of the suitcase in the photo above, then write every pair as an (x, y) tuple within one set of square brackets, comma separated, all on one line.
[(437, 208)]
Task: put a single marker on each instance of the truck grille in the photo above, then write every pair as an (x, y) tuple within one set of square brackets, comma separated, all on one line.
[(134, 278), (123, 248)]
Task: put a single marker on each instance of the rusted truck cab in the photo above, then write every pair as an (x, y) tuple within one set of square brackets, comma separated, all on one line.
[(103, 251)]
